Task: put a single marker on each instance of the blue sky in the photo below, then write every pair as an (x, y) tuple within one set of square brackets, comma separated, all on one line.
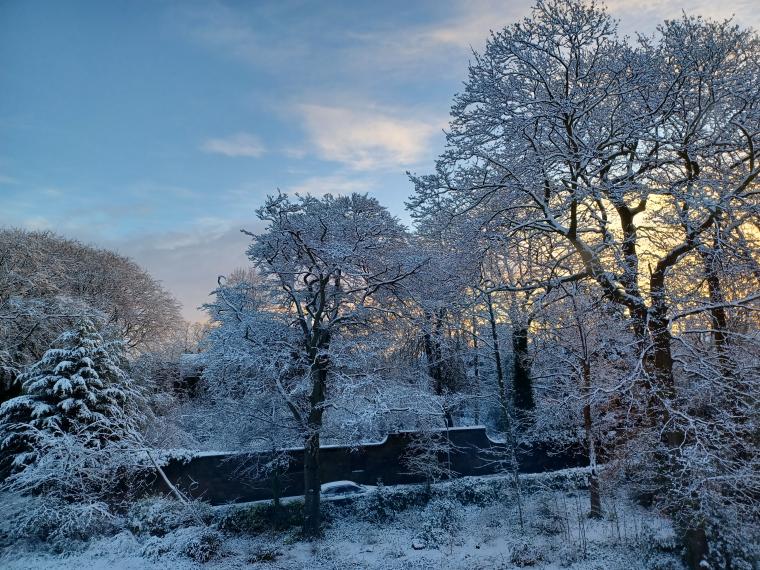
[(156, 127)]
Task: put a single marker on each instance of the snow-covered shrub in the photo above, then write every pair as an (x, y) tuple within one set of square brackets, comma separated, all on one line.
[(71, 437), (204, 546), (547, 521), (264, 554), (442, 520), (385, 502), (470, 491), (376, 506), (525, 553), (739, 550), (61, 524), (198, 543), (567, 554), (159, 516)]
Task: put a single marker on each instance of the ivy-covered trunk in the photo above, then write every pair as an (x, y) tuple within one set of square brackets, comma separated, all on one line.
[(521, 379), (312, 484)]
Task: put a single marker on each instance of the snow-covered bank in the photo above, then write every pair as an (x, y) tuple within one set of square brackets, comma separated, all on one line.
[(459, 527)]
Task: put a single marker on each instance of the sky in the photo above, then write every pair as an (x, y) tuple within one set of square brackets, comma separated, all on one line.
[(157, 127)]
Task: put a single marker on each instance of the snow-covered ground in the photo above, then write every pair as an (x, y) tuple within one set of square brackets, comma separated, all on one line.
[(444, 533)]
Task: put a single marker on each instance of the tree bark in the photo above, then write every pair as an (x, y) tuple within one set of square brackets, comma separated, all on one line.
[(496, 349), (718, 314), (434, 356), (506, 426)]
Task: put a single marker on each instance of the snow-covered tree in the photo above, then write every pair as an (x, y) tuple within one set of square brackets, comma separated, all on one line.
[(76, 387), (331, 272)]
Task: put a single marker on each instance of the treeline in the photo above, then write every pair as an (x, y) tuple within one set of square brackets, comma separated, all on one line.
[(49, 283)]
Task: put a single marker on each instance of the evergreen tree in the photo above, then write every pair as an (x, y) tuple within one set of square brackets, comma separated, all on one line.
[(77, 387)]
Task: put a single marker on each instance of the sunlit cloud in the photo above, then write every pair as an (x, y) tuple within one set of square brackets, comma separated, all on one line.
[(368, 139), (237, 145)]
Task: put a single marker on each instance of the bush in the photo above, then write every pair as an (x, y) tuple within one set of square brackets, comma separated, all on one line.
[(159, 516), (59, 523), (442, 520), (383, 504), (204, 546), (476, 491), (739, 549), (261, 518), (525, 554), (198, 543)]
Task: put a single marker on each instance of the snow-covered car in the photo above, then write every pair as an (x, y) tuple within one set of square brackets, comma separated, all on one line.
[(343, 490)]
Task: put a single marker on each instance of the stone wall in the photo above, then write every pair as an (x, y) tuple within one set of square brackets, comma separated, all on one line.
[(223, 478)]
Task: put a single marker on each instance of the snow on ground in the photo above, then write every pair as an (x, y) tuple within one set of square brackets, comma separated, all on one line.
[(443, 533)]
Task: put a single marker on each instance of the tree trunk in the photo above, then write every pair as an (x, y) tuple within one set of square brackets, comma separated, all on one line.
[(311, 512), (693, 531), (496, 348), (696, 547), (595, 498), (506, 424), (718, 315), (434, 356)]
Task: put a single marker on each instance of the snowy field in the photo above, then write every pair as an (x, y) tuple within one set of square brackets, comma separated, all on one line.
[(461, 526)]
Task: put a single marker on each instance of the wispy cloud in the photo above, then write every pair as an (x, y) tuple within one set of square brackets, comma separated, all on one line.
[(243, 34), (201, 230), (441, 46), (237, 145), (368, 138)]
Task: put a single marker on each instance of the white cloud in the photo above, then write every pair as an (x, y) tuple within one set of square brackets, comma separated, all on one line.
[(368, 138), (321, 185), (243, 34), (240, 144)]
